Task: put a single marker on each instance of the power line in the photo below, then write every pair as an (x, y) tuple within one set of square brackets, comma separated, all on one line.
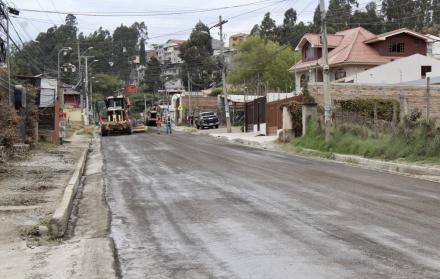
[(151, 13)]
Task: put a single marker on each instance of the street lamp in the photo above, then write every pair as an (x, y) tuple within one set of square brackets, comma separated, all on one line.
[(86, 84), (91, 98), (63, 50)]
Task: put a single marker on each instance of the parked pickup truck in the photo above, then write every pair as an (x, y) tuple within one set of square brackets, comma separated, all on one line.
[(206, 120)]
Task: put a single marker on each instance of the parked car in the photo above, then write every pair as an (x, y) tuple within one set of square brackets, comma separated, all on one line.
[(206, 120)]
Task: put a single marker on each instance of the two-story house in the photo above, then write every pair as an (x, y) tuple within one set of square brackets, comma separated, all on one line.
[(353, 51)]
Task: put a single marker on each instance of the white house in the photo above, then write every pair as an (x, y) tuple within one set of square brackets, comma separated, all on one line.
[(434, 46), (414, 67)]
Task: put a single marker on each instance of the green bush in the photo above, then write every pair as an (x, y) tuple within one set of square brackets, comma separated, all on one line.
[(415, 140), (215, 92), (365, 107)]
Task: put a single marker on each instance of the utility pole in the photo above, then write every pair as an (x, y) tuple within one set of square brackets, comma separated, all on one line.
[(189, 102), (326, 73), (86, 82), (225, 92), (258, 84), (91, 101), (8, 54), (428, 98)]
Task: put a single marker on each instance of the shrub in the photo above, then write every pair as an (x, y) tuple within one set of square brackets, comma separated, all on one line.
[(215, 92), (365, 107), (295, 109), (8, 124)]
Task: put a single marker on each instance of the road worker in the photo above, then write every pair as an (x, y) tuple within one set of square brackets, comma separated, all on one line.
[(158, 123), (168, 123)]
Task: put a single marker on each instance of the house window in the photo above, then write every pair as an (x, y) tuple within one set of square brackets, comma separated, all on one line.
[(396, 47), (340, 73), (426, 69)]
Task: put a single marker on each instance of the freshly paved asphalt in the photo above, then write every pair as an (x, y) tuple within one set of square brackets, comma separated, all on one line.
[(190, 207)]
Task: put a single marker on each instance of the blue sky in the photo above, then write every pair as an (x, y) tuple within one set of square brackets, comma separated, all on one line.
[(160, 27)]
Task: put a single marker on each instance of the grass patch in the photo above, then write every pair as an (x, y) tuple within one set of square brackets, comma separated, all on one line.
[(414, 141)]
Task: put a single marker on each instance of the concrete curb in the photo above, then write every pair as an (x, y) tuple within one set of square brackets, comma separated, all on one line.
[(60, 218), (247, 142), (403, 168)]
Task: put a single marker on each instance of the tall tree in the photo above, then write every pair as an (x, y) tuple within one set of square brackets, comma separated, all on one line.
[(369, 19), (317, 21), (255, 30), (142, 58), (339, 14), (290, 33), (423, 11), (290, 17), (198, 60), (268, 28), (436, 12), (152, 75), (399, 14)]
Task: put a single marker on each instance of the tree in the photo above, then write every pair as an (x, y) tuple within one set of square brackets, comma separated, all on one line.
[(369, 19), (266, 59), (268, 28), (152, 74), (290, 17), (142, 58), (198, 61), (290, 33), (399, 14), (339, 14), (126, 39), (105, 84), (436, 12), (37, 58), (423, 12), (255, 30), (317, 19)]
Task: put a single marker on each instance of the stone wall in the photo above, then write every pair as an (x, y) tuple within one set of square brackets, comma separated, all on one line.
[(410, 97)]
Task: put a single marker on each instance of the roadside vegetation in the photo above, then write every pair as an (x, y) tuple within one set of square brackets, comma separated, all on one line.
[(415, 139)]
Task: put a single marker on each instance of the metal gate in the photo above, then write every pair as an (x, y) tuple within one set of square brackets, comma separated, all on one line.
[(255, 114)]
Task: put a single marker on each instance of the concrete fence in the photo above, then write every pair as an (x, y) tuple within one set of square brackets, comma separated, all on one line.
[(410, 97)]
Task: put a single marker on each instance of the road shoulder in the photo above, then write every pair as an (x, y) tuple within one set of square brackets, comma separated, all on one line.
[(86, 251), (421, 171)]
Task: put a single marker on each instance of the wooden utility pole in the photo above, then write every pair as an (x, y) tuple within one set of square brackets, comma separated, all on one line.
[(189, 102), (326, 73), (428, 98), (225, 93)]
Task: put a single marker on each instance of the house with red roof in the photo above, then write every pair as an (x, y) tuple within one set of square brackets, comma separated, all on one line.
[(354, 51)]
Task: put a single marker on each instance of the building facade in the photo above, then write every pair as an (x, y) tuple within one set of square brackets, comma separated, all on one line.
[(354, 51), (236, 39), (171, 64)]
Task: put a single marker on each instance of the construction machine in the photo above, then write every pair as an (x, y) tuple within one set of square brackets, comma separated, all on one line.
[(117, 118)]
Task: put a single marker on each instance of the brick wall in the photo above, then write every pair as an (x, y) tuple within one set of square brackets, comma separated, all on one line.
[(413, 45), (410, 97), (201, 104)]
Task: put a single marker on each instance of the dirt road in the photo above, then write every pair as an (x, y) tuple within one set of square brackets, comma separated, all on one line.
[(188, 206)]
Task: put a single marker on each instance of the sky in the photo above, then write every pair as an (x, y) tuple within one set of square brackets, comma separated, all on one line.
[(160, 27)]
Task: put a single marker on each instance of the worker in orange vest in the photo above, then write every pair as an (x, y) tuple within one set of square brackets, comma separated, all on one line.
[(158, 122)]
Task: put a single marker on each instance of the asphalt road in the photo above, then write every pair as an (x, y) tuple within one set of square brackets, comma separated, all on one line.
[(190, 207)]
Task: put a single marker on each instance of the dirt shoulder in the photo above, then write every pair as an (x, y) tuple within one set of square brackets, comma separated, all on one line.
[(30, 190)]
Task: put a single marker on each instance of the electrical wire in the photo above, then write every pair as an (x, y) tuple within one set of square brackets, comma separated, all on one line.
[(151, 13)]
